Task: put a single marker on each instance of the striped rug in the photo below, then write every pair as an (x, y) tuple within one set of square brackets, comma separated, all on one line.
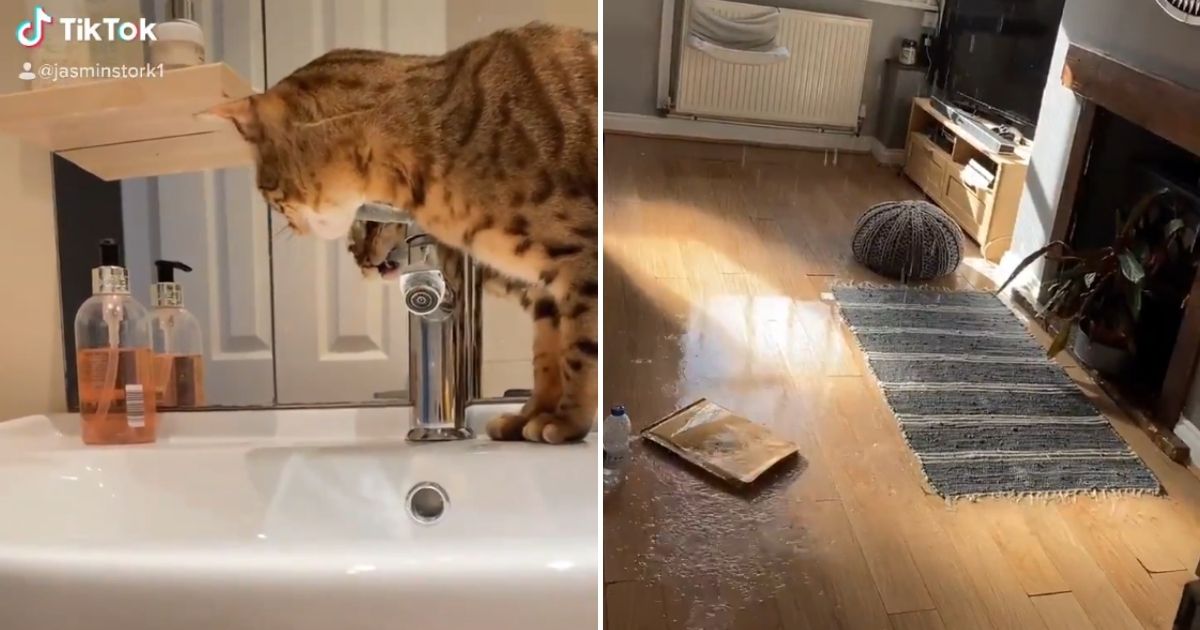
[(978, 401)]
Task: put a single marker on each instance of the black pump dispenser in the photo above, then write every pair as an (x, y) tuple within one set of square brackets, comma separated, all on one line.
[(165, 269), (110, 276), (165, 291), (110, 253)]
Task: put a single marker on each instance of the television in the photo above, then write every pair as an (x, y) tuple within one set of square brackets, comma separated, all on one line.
[(994, 57)]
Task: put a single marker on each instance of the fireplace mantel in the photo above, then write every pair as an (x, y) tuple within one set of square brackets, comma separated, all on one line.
[(1168, 109)]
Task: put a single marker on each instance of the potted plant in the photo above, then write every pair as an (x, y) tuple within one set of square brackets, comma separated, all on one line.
[(1098, 294)]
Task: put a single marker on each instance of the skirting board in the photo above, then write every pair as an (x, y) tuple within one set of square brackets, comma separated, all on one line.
[(642, 125), (1186, 431), (884, 155)]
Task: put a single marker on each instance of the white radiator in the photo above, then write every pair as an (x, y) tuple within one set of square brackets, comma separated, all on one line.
[(820, 85)]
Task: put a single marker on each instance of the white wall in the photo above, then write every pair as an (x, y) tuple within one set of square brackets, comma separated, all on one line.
[(31, 353), (1047, 168)]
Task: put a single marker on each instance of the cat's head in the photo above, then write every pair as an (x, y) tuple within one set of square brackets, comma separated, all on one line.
[(311, 157)]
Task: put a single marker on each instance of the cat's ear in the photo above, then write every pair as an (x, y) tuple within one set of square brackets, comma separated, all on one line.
[(243, 113)]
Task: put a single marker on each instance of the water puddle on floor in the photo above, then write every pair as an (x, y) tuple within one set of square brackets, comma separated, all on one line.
[(714, 551)]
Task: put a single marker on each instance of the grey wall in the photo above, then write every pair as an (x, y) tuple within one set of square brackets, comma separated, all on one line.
[(630, 55), (1136, 32), (631, 30), (1139, 33)]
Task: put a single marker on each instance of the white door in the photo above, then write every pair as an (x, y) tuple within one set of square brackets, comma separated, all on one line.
[(338, 338), (216, 222)]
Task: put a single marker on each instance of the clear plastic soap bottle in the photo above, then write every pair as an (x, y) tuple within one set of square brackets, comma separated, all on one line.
[(114, 358), (178, 342)]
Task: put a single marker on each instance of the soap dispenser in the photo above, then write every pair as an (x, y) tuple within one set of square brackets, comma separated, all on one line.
[(114, 358), (178, 344), (178, 42)]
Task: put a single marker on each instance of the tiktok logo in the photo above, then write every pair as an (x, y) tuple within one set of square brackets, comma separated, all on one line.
[(30, 32)]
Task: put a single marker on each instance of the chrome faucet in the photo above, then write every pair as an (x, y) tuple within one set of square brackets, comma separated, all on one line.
[(442, 292)]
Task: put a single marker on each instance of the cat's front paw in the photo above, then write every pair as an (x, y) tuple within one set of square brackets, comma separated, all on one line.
[(507, 427), (556, 428)]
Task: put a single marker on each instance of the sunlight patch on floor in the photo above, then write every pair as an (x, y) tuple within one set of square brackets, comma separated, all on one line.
[(983, 267), (739, 312)]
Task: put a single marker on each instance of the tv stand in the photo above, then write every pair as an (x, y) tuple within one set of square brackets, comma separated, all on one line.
[(975, 184)]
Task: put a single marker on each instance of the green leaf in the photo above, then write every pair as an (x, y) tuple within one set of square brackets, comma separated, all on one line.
[(1131, 268), (1175, 225), (1140, 208), (1061, 339), (1135, 301), (1030, 259), (1057, 293)]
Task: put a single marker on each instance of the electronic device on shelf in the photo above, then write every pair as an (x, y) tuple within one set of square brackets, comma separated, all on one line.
[(1001, 139), (991, 57), (943, 106), (987, 136)]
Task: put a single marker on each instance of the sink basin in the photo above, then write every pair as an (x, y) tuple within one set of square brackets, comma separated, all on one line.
[(297, 519)]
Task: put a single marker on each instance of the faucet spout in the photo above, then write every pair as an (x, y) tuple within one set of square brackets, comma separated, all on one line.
[(442, 291)]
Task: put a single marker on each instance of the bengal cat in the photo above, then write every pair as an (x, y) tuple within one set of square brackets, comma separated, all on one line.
[(491, 147)]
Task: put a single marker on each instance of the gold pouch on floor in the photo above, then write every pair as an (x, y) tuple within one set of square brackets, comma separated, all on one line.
[(719, 441)]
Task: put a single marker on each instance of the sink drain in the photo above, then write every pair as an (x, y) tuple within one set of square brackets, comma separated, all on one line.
[(427, 502)]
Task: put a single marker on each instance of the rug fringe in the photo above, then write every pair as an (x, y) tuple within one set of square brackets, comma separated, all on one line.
[(1048, 496), (868, 284)]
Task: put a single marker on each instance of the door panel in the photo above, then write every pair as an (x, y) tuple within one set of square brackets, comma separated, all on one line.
[(339, 338), (216, 222)]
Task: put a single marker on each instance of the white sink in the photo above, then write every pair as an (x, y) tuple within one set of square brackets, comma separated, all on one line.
[(293, 519)]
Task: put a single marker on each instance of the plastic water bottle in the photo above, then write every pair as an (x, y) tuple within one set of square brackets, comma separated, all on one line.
[(616, 447)]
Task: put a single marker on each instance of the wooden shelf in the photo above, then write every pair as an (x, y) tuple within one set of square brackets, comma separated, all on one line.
[(986, 214), (1020, 156), (123, 128)]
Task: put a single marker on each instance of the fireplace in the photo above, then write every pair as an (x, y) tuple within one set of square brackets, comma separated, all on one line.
[(1126, 163), (1136, 133)]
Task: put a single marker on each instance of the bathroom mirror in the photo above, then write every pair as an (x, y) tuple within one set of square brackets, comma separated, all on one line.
[(285, 320)]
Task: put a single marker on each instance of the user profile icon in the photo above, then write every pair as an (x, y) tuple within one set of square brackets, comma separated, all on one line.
[(27, 72)]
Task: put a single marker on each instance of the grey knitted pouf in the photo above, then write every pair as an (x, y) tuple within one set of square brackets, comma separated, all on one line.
[(908, 240)]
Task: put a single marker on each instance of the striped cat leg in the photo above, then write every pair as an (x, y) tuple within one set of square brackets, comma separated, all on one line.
[(547, 380), (572, 417)]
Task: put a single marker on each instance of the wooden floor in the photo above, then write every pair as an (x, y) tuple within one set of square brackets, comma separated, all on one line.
[(717, 258)]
